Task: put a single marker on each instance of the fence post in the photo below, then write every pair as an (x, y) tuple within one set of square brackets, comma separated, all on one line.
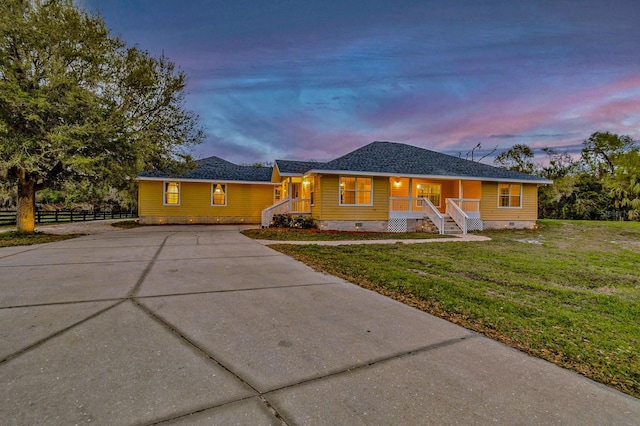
[(70, 215), (84, 215), (56, 217)]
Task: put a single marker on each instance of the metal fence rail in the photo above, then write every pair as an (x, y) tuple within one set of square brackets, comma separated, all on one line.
[(8, 217)]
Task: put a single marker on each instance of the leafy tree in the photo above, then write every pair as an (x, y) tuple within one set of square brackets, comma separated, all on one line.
[(615, 160), (518, 158), (77, 104), (600, 153), (624, 185)]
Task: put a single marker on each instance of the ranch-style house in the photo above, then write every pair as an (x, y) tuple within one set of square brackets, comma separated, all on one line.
[(382, 186)]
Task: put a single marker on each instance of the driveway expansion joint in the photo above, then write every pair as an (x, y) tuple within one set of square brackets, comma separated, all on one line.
[(147, 269), (378, 361), (232, 290), (190, 342), (57, 333)]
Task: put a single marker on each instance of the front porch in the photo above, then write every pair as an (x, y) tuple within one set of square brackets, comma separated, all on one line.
[(438, 205), (463, 213)]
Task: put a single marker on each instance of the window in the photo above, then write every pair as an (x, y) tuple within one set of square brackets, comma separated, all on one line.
[(509, 195), (355, 191), (428, 190), (172, 193), (277, 194), (218, 194)]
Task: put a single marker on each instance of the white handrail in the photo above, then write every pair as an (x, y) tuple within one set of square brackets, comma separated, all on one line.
[(457, 214), (288, 205), (471, 206), (433, 214), (280, 207)]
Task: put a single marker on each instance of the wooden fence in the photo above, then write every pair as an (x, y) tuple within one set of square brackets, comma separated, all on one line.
[(42, 216)]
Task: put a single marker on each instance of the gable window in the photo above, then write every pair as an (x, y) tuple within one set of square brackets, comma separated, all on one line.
[(171, 193), (218, 194), (430, 191), (356, 191), (509, 195)]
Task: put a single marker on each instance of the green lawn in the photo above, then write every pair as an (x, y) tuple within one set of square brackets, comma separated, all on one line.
[(568, 292), (283, 234)]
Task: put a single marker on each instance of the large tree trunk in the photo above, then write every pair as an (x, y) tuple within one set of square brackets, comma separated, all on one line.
[(26, 218)]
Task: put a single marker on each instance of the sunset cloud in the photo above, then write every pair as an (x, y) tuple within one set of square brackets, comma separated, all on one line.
[(315, 79)]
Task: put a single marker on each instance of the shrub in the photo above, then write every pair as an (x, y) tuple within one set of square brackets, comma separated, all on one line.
[(285, 220)]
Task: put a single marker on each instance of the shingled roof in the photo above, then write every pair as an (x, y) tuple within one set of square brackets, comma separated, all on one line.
[(215, 168), (289, 167), (383, 158), (391, 158)]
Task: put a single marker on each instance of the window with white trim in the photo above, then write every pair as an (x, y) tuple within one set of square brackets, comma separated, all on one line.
[(509, 195), (218, 194), (171, 194), (356, 191), (431, 191)]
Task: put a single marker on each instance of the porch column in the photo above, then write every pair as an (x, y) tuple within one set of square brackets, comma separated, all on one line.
[(410, 194)]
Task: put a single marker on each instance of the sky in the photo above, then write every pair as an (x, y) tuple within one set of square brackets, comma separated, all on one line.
[(313, 80)]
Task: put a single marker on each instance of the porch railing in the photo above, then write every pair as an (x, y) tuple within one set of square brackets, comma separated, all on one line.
[(432, 212), (288, 205), (300, 205), (470, 206), (280, 207), (407, 207), (457, 214)]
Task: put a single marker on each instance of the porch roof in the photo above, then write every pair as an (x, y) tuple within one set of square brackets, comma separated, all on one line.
[(393, 159)]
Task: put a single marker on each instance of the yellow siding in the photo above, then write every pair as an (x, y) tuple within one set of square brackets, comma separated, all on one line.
[(327, 206), (243, 200), (275, 176), (399, 187), (472, 189), (489, 209), (316, 207)]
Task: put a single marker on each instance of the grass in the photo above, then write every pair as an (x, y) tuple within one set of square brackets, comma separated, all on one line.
[(284, 234), (16, 238), (567, 292)]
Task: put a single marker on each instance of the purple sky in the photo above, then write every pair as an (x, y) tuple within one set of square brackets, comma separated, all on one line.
[(312, 80)]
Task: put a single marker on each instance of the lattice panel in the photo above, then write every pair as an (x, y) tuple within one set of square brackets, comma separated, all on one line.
[(397, 224), (474, 224)]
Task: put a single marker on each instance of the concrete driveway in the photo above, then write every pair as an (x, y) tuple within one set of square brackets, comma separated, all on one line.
[(201, 325)]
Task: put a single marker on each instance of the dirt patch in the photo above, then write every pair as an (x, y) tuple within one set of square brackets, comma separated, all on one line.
[(89, 227)]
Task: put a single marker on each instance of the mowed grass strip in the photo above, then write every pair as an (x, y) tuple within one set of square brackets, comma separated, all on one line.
[(284, 234), (568, 292), (16, 238)]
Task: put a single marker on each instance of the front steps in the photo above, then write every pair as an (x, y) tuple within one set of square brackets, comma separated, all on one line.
[(450, 226)]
